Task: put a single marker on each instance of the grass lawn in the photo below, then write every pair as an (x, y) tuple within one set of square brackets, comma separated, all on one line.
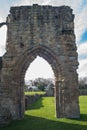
[(33, 93), (41, 116)]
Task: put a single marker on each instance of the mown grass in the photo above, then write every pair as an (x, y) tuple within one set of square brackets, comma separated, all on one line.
[(41, 116), (33, 93)]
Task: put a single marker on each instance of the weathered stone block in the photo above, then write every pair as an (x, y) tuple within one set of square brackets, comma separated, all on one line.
[(5, 116), (0, 63)]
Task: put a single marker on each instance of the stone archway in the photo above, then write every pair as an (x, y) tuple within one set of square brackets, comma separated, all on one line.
[(21, 66), (48, 32)]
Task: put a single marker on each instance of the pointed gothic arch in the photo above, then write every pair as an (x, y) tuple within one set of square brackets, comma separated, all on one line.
[(21, 66)]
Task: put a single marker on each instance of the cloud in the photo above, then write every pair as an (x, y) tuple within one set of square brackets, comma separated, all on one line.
[(39, 68), (82, 49), (80, 23), (28, 2), (82, 68), (4, 9), (1, 17), (2, 40)]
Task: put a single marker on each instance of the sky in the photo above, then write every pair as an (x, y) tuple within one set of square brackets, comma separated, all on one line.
[(79, 9)]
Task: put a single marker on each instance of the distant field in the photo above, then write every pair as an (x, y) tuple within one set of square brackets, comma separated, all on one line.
[(41, 116), (33, 93)]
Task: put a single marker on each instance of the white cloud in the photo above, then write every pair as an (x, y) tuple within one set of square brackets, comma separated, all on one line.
[(2, 40), (39, 68), (82, 68), (4, 12), (28, 2), (1, 17), (72, 3), (82, 48), (80, 23)]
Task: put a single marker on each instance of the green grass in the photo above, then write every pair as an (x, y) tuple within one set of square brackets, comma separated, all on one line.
[(41, 116), (33, 93)]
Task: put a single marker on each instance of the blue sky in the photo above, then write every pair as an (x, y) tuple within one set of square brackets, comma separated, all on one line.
[(84, 37), (79, 9)]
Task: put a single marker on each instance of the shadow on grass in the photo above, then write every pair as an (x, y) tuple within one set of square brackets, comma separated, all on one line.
[(37, 123), (38, 104), (83, 117)]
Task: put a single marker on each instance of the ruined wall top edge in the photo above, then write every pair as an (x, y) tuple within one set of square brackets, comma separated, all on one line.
[(64, 13), (34, 6)]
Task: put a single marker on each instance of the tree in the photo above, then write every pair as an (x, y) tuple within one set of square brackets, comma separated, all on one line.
[(83, 83), (42, 83)]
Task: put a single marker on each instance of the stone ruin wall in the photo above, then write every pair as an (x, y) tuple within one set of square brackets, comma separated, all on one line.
[(48, 32), (0, 67)]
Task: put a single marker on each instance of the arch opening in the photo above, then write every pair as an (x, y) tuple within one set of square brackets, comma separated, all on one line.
[(20, 70), (38, 74), (39, 68), (39, 79)]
